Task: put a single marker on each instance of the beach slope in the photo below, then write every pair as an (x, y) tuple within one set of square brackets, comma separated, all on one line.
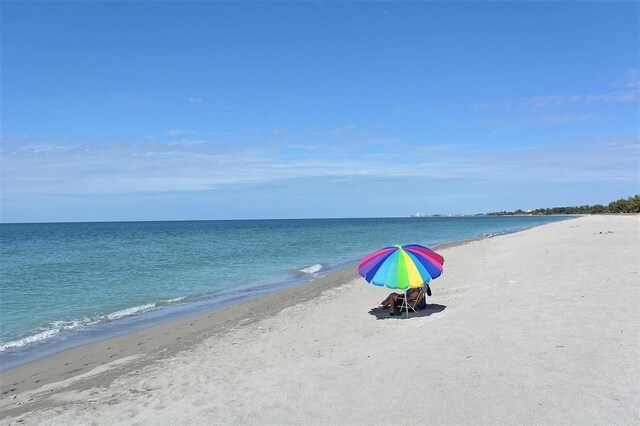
[(536, 327)]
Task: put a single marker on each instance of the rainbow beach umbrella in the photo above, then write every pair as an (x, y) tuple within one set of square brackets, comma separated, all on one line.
[(401, 267)]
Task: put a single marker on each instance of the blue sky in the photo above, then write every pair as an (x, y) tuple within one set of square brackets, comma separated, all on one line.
[(224, 110)]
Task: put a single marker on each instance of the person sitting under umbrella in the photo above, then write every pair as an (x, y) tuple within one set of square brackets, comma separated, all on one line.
[(395, 299)]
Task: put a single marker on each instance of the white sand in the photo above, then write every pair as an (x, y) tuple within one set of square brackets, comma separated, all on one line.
[(538, 327)]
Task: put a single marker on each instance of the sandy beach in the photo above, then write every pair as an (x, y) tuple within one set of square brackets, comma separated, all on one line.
[(536, 327)]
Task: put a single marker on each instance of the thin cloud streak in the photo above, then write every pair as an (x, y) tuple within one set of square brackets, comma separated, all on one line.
[(560, 100), (547, 101), (180, 132)]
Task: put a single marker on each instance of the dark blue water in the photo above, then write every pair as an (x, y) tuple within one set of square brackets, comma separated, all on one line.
[(64, 279)]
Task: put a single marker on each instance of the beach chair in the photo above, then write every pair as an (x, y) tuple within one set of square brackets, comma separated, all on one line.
[(416, 305)]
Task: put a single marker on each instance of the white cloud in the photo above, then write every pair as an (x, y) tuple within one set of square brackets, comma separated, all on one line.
[(34, 168), (608, 158), (629, 94), (560, 100), (195, 99), (180, 132)]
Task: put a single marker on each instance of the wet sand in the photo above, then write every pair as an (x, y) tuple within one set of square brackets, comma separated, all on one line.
[(541, 326)]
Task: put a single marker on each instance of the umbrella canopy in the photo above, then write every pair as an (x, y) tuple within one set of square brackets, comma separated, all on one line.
[(401, 267)]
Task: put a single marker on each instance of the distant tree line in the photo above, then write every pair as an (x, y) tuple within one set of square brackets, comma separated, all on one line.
[(628, 205)]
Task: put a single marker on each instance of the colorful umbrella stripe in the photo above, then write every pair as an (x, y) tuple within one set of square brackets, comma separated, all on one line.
[(401, 267)]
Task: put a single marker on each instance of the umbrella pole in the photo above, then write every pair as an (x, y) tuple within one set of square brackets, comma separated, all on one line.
[(406, 301)]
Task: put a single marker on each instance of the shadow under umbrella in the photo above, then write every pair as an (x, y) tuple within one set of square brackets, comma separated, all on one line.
[(432, 308)]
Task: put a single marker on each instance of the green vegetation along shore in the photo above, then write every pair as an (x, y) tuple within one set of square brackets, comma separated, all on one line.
[(628, 205)]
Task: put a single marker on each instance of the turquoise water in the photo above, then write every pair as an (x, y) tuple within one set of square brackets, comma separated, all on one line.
[(62, 278)]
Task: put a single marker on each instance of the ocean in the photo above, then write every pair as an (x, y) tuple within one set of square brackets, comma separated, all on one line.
[(66, 284)]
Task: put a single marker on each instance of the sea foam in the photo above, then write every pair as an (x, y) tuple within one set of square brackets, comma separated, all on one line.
[(29, 339), (310, 270), (130, 311), (59, 326)]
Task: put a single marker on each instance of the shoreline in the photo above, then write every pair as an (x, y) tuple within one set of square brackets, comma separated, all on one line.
[(169, 337), (517, 318), (216, 320), (164, 339), (144, 320)]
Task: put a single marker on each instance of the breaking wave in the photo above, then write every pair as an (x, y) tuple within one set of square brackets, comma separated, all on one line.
[(310, 270), (60, 326)]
